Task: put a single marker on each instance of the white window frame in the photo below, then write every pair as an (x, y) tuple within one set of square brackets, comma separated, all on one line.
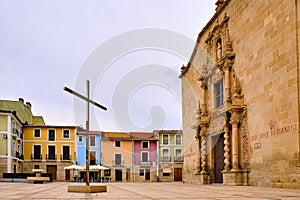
[(116, 159), (34, 132), (147, 156), (175, 152), (180, 139), (48, 150), (142, 145), (41, 152), (162, 153), (63, 136), (91, 141), (168, 139), (62, 150), (54, 134)]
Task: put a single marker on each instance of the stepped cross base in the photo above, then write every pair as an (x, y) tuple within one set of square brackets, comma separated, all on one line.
[(87, 189)]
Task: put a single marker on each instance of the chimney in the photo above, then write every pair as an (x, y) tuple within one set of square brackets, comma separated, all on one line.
[(21, 100), (28, 105)]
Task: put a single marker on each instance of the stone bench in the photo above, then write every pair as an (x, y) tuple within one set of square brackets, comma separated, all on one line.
[(38, 179)]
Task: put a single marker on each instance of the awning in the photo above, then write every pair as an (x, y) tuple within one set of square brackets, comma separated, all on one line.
[(166, 170)]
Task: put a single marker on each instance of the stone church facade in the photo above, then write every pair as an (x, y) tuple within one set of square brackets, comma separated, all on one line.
[(240, 96)]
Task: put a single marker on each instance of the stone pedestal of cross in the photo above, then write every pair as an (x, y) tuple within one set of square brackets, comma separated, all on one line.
[(87, 188)]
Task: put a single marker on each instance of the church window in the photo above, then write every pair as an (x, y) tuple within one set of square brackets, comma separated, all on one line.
[(219, 93)]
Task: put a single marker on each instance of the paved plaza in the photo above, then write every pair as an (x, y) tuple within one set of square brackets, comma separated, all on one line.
[(177, 190)]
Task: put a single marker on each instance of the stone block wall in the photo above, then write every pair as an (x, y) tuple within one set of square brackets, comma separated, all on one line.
[(264, 40)]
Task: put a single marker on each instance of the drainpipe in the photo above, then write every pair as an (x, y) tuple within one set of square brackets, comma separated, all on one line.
[(9, 144), (132, 165), (157, 160)]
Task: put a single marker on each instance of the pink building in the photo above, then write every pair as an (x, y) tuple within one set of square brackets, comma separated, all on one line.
[(144, 156)]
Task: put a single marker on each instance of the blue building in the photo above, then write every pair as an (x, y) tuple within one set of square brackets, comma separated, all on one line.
[(95, 147)]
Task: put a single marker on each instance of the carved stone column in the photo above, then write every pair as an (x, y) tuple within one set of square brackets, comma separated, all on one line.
[(235, 176), (226, 148), (198, 139), (204, 173), (235, 144), (198, 153), (203, 150), (227, 83)]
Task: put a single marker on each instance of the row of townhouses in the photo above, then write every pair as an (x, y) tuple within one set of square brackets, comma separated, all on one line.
[(27, 143)]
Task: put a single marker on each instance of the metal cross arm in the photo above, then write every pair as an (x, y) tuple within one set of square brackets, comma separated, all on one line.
[(84, 98)]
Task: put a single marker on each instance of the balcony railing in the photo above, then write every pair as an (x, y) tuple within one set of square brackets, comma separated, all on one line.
[(36, 156), (51, 156), (178, 159), (65, 157), (145, 163), (118, 162), (165, 159)]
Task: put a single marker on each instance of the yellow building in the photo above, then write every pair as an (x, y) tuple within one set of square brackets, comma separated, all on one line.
[(50, 148), (117, 155)]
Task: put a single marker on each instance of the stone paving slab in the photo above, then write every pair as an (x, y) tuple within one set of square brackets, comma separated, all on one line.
[(177, 190)]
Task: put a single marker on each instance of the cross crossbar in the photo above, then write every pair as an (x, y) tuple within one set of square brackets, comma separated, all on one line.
[(84, 98)]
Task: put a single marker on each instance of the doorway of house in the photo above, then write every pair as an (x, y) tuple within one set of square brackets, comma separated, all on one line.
[(177, 174), (118, 174), (52, 170), (147, 174), (218, 153), (127, 174), (67, 175)]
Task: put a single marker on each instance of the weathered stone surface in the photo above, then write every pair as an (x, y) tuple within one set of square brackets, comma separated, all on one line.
[(260, 50)]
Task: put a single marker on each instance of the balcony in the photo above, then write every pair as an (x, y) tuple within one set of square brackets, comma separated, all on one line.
[(36, 157), (165, 159), (50, 157), (118, 163), (178, 159), (145, 163), (18, 155), (17, 134), (65, 157)]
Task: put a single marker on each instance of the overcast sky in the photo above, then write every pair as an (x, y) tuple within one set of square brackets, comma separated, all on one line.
[(46, 45)]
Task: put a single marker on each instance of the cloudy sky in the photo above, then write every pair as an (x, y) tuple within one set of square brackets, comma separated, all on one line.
[(130, 50)]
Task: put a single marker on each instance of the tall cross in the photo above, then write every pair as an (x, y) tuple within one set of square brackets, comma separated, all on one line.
[(88, 100)]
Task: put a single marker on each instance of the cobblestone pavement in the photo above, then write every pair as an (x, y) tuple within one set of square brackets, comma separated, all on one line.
[(58, 190)]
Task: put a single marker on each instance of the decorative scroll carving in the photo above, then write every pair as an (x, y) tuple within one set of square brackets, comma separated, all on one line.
[(245, 142)]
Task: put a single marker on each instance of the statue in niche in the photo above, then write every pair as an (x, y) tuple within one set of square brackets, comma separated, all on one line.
[(219, 50)]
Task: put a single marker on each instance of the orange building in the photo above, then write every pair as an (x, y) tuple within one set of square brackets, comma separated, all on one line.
[(116, 149)]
